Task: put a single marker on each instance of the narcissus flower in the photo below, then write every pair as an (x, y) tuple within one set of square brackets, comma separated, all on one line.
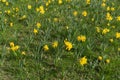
[(11, 24), (35, 31), (59, 1), (11, 44), (68, 45), (98, 29), (118, 18), (75, 13), (83, 60), (38, 25), (87, 1), (81, 38), (55, 44), (105, 30), (84, 13), (118, 35), (29, 6), (100, 58), (41, 9), (45, 47), (107, 60), (23, 53), (108, 16)]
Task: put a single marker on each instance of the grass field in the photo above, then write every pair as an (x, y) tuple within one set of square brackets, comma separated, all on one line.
[(59, 39)]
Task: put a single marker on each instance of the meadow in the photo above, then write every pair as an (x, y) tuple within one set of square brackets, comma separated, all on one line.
[(59, 39)]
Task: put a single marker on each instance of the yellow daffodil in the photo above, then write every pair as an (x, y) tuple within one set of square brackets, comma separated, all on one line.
[(83, 60)]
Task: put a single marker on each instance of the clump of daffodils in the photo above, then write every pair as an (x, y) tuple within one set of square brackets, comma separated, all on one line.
[(14, 47), (81, 38)]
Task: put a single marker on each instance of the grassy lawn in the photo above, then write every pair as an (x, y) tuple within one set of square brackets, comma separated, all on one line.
[(59, 40)]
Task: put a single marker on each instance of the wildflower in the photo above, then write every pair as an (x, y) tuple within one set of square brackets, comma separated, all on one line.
[(113, 26), (111, 40), (100, 58), (103, 4), (119, 49), (23, 17), (15, 48), (108, 24), (59, 1), (118, 35), (55, 44), (55, 19), (83, 60), (68, 45), (11, 24), (81, 38), (104, 0), (75, 13), (108, 17), (3, 1), (84, 13), (23, 53), (107, 60), (6, 3), (16, 9), (92, 19), (11, 44), (87, 1), (112, 8), (46, 48), (41, 9), (105, 31), (108, 8), (38, 25), (98, 29), (29, 6), (35, 31), (118, 18)]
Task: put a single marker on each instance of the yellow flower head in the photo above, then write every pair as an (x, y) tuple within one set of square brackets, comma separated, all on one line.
[(108, 16), (119, 49), (59, 1), (75, 13), (118, 35), (11, 44), (15, 48), (84, 13), (81, 38), (107, 60), (83, 60), (55, 44), (105, 31), (68, 45), (111, 40), (38, 25), (41, 9), (98, 29), (35, 31), (100, 58), (46, 48), (3, 1), (29, 6), (103, 4), (11, 24), (87, 1), (23, 53), (118, 18)]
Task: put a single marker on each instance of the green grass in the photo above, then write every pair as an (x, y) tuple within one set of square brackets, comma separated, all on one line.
[(59, 63)]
